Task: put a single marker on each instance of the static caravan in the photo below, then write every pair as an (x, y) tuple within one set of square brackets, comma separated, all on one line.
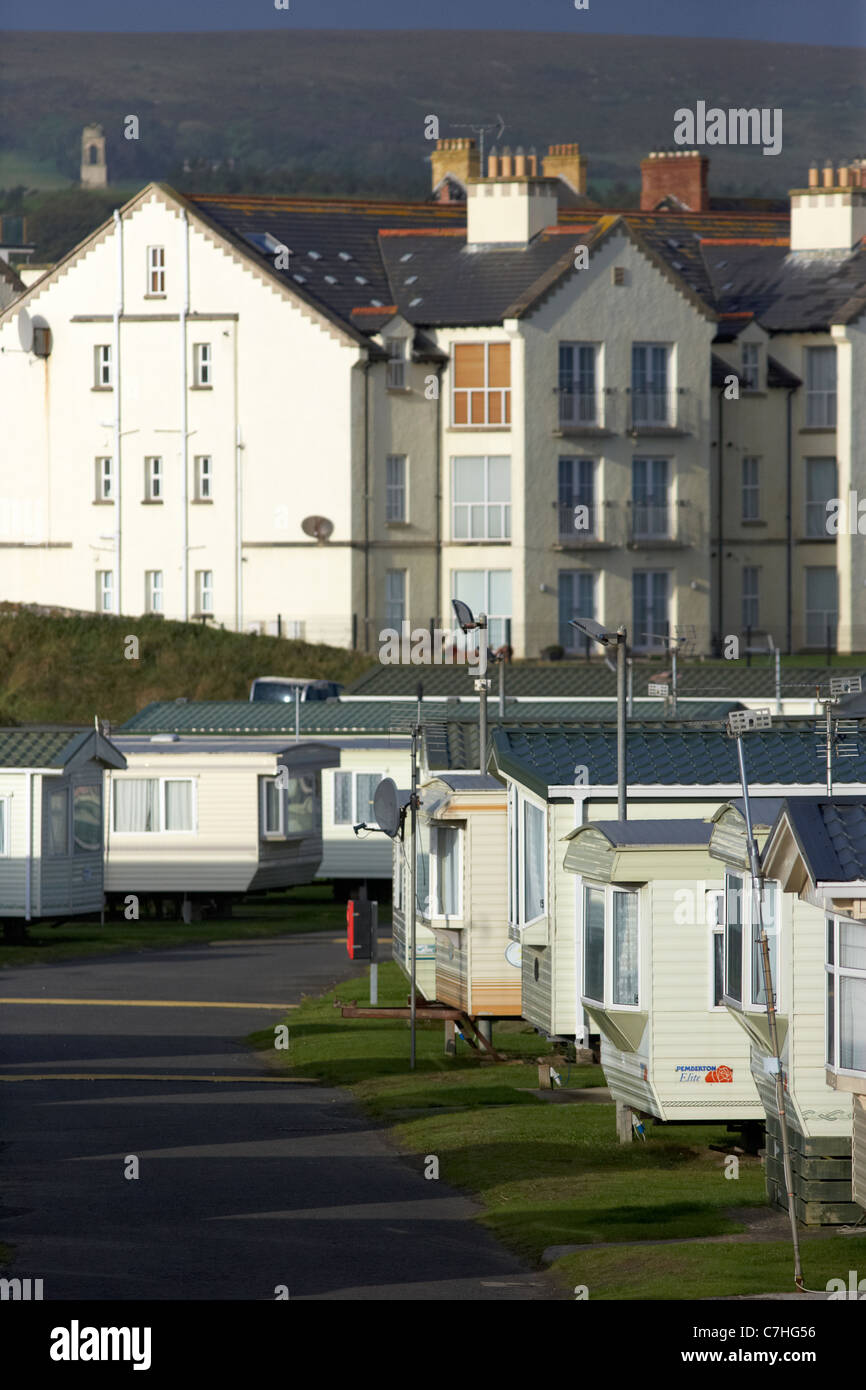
[(195, 820), (798, 928), (562, 777), (650, 976), (51, 824)]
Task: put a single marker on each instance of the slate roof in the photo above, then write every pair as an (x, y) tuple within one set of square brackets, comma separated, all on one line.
[(471, 782), (41, 747), (831, 833), (668, 755), (352, 256), (626, 833), (714, 681)]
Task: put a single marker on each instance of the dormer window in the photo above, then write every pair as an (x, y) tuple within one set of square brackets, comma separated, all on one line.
[(751, 367), (396, 378)]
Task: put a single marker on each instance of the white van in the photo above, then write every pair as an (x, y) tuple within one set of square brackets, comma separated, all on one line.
[(283, 688)]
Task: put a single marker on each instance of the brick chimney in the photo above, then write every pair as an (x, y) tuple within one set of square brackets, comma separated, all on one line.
[(680, 174), (458, 157), (567, 163), (830, 213)]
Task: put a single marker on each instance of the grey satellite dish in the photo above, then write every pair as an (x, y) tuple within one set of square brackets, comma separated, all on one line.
[(386, 806), (25, 330), (317, 526)]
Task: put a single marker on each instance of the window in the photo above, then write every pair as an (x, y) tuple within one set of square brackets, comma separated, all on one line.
[(396, 369), (576, 600), (625, 946), (105, 591), (576, 499), (821, 388), (578, 390), (481, 498), (482, 384), (104, 489), (87, 819), (153, 479), (513, 857), (5, 834), (203, 478), (821, 606), (202, 364), (204, 591), (56, 833), (151, 805), (395, 598), (288, 805), (820, 488), (156, 270), (153, 591), (533, 862), (395, 487), (486, 591), (751, 366), (650, 509), (650, 600), (422, 868), (751, 493), (750, 607), (353, 797), (715, 916), (102, 373), (445, 845), (744, 970), (846, 995), (649, 384), (593, 943)]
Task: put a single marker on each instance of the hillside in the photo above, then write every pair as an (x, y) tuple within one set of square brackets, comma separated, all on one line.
[(65, 670), (332, 111)]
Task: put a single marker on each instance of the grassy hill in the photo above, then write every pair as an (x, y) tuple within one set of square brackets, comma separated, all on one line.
[(344, 112), (66, 670)]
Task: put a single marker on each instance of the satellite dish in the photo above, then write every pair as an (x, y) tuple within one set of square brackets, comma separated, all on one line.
[(317, 526), (386, 806), (25, 330), (514, 953)]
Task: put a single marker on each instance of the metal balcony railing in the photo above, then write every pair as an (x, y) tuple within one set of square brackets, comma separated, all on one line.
[(578, 521), (660, 411)]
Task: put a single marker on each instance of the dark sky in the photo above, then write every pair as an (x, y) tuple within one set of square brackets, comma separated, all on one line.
[(837, 22)]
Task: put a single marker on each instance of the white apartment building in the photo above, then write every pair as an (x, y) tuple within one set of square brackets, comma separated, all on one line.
[(323, 417)]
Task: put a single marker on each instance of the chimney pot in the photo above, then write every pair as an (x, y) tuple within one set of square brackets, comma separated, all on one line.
[(828, 175), (814, 177)]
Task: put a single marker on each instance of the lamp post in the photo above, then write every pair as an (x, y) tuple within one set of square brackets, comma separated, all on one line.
[(607, 637), (468, 623)]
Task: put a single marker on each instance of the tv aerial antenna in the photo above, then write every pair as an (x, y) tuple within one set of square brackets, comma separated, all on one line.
[(498, 125)]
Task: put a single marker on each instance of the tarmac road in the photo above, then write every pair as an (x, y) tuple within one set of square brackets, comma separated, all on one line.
[(245, 1183)]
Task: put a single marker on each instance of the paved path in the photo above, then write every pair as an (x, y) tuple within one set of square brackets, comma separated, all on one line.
[(245, 1183)]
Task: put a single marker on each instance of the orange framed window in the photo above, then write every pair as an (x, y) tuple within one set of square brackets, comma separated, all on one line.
[(481, 394)]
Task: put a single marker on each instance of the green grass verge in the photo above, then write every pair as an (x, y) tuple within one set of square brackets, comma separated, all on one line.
[(554, 1174), (308, 908)]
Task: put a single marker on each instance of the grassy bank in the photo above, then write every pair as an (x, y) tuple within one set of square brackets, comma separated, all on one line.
[(550, 1173), (309, 908)]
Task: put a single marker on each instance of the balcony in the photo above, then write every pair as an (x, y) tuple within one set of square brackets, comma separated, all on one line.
[(660, 412), (582, 524), (660, 525), (585, 413)]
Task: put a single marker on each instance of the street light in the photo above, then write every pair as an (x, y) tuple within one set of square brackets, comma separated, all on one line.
[(607, 637), (468, 623)]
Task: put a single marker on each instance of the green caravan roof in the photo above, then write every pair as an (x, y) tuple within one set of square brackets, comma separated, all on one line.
[(54, 748)]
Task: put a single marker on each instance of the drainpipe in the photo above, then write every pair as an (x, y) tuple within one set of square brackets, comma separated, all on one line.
[(438, 581), (118, 310), (789, 526), (719, 528), (184, 310), (239, 502), (28, 851), (366, 505)]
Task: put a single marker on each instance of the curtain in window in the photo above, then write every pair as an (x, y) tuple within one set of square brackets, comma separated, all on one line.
[(135, 804), (342, 798), (625, 985), (593, 943), (301, 802), (366, 786), (852, 1022), (57, 821), (852, 945), (178, 805), (87, 820), (533, 859), (422, 868), (759, 994), (447, 864)]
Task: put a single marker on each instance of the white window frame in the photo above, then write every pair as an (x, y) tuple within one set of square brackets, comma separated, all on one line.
[(154, 593), (517, 838), (153, 478), (514, 877), (395, 377), (648, 415), (821, 401), (435, 828), (495, 632), (391, 604), (156, 272), (203, 477), (204, 591), (104, 478), (264, 832), (5, 827), (354, 812), (609, 890), (578, 407), (202, 364), (488, 508), (838, 972), (749, 978), (396, 490), (103, 367), (105, 590), (716, 928), (161, 830), (750, 491)]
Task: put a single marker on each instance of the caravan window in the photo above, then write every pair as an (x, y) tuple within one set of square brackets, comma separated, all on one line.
[(610, 947), (533, 862), (422, 868), (768, 913), (57, 821), (4, 826), (87, 820), (593, 944), (624, 957), (744, 968), (446, 847), (734, 937), (846, 995), (149, 805)]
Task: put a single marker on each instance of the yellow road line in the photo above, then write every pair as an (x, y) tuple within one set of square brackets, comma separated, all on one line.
[(156, 1003), (152, 1076)]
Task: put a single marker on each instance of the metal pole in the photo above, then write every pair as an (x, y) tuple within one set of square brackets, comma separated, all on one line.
[(778, 656), (674, 679), (621, 809), (297, 713), (374, 953), (482, 692), (629, 697), (413, 815), (757, 899), (829, 712)]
